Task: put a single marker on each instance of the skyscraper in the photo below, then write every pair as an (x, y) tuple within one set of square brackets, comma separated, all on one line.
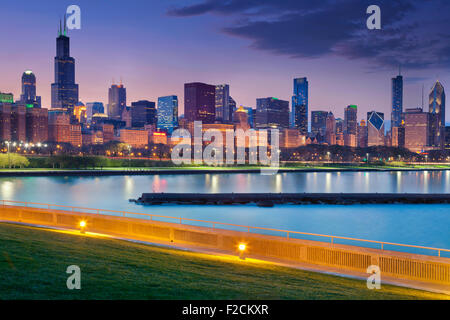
[(64, 90), (319, 123), (117, 100), (199, 102), (418, 129), (330, 133), (351, 120), (28, 96), (222, 103), (167, 113), (375, 128), (272, 113), (437, 107), (362, 134), (397, 101), (300, 105), (143, 113)]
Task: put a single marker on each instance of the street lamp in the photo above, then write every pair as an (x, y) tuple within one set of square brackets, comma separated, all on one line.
[(82, 226), (129, 156), (242, 247), (9, 157)]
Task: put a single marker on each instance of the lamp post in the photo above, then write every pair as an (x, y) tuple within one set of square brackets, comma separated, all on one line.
[(9, 157), (129, 157)]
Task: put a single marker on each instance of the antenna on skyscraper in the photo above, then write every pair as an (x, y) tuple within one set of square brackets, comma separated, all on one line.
[(65, 24), (60, 27), (399, 69), (423, 86), (120, 80)]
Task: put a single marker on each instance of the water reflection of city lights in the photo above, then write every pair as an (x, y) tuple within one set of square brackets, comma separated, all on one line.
[(7, 188), (328, 182), (278, 183), (215, 183), (129, 184)]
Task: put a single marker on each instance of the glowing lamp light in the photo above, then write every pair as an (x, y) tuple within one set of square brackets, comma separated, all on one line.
[(82, 226), (242, 247)]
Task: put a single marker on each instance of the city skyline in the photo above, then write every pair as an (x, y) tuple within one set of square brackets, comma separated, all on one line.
[(373, 90)]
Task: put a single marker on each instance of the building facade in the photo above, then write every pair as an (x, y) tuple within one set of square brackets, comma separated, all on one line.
[(199, 102), (397, 101), (28, 96), (375, 129), (143, 113), (167, 113), (36, 125), (222, 98), (418, 131), (319, 123), (437, 108), (272, 113), (300, 105), (351, 120), (117, 100)]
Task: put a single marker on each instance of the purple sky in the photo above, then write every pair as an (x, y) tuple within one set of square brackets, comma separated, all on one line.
[(257, 47)]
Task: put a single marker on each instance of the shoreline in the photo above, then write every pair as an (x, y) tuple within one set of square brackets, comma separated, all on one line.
[(172, 171)]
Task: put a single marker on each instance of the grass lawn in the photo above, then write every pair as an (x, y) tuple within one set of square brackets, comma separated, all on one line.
[(33, 265)]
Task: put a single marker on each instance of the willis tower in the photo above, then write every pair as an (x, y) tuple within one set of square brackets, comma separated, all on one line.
[(64, 90)]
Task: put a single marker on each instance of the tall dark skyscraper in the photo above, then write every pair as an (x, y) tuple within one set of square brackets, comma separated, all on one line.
[(397, 101), (64, 90), (300, 105), (117, 100), (437, 108), (199, 102), (272, 113), (28, 96), (142, 113)]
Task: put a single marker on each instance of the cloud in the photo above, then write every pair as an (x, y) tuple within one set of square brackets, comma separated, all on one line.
[(414, 32)]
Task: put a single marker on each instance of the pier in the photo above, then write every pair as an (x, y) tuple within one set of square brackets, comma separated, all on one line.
[(271, 199)]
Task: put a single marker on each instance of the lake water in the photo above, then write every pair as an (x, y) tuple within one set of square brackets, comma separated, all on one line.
[(427, 225)]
